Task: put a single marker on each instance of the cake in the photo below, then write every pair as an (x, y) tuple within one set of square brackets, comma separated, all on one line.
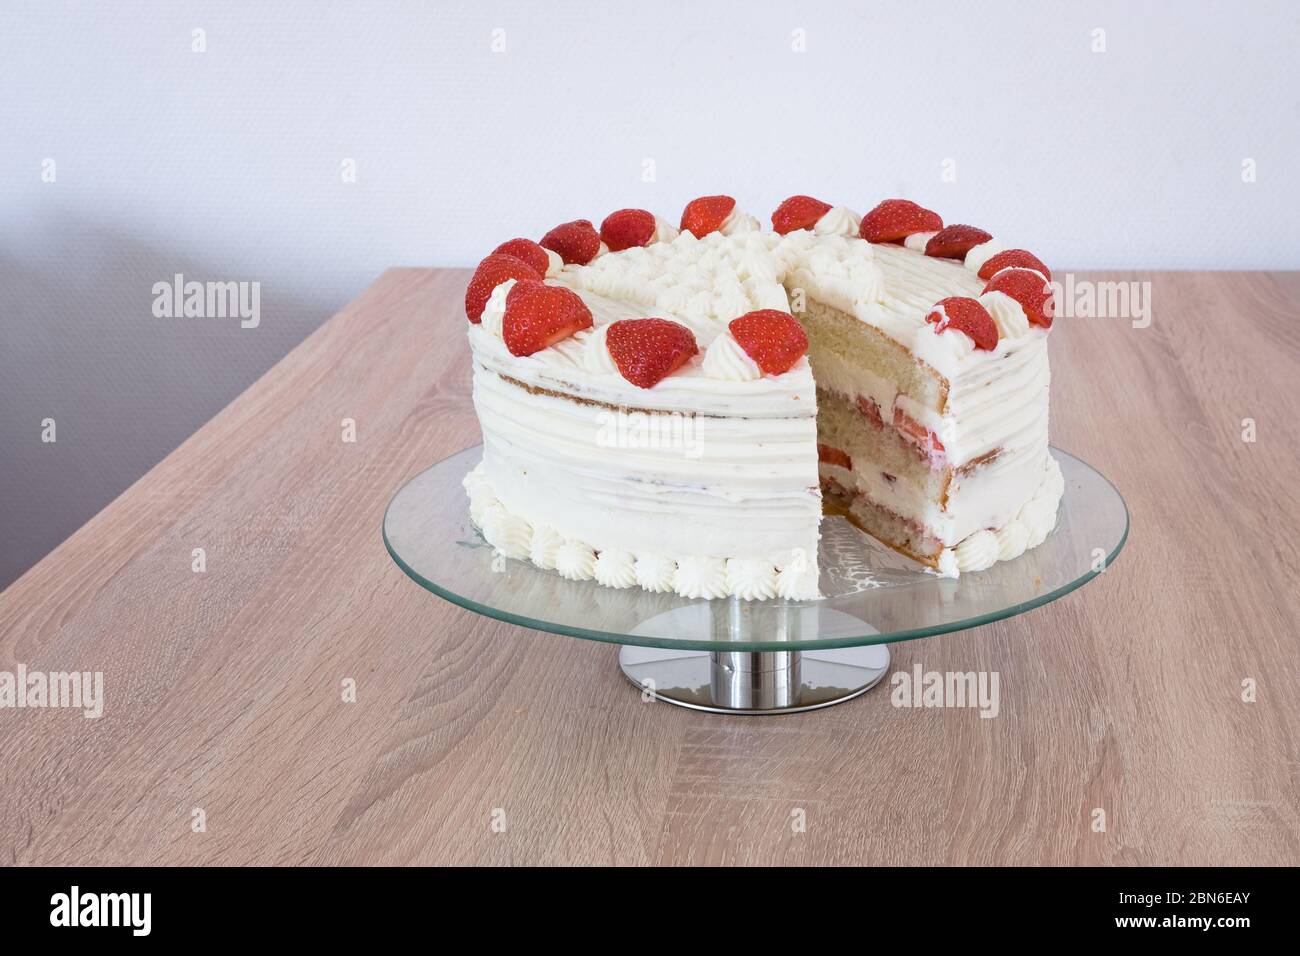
[(674, 408)]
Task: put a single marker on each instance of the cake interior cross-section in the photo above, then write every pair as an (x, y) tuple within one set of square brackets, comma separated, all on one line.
[(674, 408)]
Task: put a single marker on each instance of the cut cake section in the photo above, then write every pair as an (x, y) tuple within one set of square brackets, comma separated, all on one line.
[(925, 440)]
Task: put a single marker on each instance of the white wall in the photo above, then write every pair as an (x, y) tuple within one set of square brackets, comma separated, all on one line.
[(227, 164)]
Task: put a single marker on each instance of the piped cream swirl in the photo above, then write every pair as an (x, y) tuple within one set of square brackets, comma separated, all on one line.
[(977, 552), (978, 255), (797, 581), (738, 222), (1008, 315), (546, 545), (575, 561), (727, 361), (615, 569), (838, 221), (509, 534), (495, 310), (655, 572), (917, 241), (700, 576), (665, 231), (595, 353), (554, 264), (750, 579)]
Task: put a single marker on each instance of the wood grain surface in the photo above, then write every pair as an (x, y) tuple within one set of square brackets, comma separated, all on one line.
[(223, 689)]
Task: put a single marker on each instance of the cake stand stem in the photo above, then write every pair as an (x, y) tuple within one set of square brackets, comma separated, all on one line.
[(754, 682)]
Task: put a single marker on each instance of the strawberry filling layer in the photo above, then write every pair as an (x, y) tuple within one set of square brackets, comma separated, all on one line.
[(833, 456), (924, 443)]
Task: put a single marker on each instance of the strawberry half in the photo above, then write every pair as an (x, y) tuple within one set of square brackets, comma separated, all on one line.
[(1029, 289), (539, 315), (529, 251), (627, 228), (798, 212), (965, 315), (646, 351), (772, 338), (575, 242), (953, 242), (895, 219), (1012, 258), (833, 456), (491, 272), (706, 214)]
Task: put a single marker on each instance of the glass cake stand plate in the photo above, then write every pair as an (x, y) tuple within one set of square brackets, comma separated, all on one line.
[(753, 657)]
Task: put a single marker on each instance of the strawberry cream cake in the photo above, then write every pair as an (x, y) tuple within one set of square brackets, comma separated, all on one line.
[(674, 408)]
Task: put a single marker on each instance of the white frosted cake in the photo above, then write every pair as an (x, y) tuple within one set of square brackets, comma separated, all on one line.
[(675, 410)]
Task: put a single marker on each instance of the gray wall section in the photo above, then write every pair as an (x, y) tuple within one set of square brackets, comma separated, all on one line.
[(79, 344)]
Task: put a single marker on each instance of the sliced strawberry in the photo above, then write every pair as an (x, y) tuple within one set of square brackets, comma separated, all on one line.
[(627, 228), (965, 315), (798, 212), (648, 350), (770, 337), (1029, 289), (529, 251), (953, 242), (912, 429), (895, 219), (491, 272), (868, 407), (1012, 258), (833, 456), (539, 315), (706, 214), (574, 242), (925, 442)]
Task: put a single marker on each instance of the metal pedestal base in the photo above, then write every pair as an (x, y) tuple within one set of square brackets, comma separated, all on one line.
[(741, 682)]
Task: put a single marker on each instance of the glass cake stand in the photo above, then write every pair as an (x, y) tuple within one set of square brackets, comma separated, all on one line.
[(753, 657)]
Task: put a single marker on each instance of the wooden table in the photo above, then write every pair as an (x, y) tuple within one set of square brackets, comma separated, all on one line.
[(224, 689)]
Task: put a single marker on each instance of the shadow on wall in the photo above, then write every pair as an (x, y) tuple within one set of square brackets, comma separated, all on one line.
[(80, 344)]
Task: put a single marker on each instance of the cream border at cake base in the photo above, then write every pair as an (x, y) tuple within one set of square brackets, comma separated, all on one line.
[(691, 576), (1028, 529), (745, 578)]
